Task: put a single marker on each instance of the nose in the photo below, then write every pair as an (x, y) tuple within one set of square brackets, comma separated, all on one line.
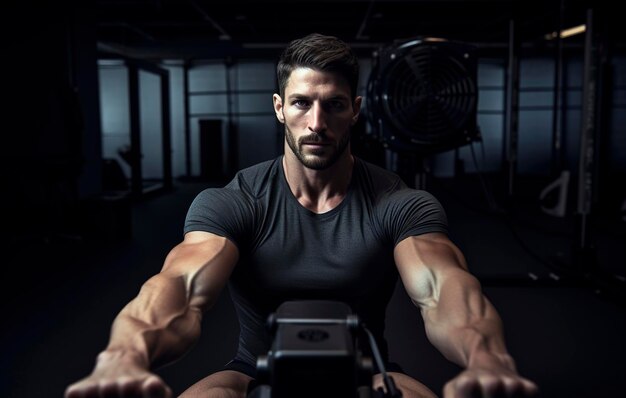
[(317, 119)]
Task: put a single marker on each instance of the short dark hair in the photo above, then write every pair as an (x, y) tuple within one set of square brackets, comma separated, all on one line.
[(318, 52)]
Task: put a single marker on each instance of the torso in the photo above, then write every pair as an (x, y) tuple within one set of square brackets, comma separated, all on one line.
[(289, 252)]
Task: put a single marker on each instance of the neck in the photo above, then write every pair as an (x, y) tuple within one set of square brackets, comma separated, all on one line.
[(319, 190)]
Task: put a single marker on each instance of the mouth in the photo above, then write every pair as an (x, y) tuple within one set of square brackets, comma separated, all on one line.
[(317, 141), (315, 147)]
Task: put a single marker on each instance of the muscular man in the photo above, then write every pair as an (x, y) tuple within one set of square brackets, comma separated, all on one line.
[(314, 223)]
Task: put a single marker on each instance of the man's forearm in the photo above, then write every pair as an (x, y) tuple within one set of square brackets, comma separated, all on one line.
[(157, 326), (464, 325)]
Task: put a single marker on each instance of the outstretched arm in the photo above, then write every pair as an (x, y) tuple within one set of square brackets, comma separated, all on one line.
[(163, 321), (458, 318)]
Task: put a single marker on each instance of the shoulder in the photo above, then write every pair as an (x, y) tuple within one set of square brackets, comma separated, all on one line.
[(409, 199), (254, 180), (377, 180), (413, 212), (218, 202)]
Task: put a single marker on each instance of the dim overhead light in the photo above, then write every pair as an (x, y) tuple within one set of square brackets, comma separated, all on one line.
[(567, 32)]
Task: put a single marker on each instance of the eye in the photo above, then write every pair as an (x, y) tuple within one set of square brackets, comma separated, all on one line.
[(336, 105), (300, 103)]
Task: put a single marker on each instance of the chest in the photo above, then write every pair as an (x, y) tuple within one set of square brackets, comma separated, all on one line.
[(299, 253)]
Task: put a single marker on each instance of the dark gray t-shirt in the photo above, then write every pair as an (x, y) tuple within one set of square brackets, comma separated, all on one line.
[(288, 252)]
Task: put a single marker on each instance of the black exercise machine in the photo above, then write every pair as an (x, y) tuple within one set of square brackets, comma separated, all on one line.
[(315, 353)]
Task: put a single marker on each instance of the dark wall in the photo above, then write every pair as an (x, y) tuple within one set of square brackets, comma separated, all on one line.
[(51, 136)]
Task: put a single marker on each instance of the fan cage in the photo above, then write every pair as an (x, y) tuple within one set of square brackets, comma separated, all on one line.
[(424, 95)]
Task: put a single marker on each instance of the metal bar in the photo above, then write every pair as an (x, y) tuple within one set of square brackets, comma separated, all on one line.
[(187, 116), (587, 135), (135, 131), (557, 158), (511, 108), (165, 128)]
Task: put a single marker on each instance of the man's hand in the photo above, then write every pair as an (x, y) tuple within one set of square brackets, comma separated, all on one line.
[(116, 375), (490, 376)]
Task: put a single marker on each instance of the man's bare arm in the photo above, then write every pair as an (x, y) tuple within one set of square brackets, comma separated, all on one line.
[(458, 318), (163, 321)]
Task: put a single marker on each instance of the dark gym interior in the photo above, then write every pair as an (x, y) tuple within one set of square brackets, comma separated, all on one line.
[(117, 113)]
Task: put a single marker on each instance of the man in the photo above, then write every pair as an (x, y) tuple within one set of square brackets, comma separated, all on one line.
[(315, 223)]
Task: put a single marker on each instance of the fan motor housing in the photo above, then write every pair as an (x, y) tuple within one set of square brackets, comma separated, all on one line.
[(422, 95)]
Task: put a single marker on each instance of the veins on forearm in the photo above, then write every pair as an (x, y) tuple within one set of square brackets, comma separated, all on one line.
[(159, 325), (463, 322)]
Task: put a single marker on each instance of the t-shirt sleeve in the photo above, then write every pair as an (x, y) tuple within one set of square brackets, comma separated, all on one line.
[(411, 212), (222, 211)]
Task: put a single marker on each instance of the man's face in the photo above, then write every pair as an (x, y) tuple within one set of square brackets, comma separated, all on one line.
[(318, 113)]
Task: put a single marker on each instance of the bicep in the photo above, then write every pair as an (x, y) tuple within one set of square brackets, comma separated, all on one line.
[(424, 262), (202, 262)]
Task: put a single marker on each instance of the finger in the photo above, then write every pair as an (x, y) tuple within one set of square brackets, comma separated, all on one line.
[(462, 387), (72, 392), (520, 387), (514, 387), (76, 390), (530, 388), (154, 387), (509, 387), (491, 387), (82, 390), (130, 388), (110, 390), (448, 390)]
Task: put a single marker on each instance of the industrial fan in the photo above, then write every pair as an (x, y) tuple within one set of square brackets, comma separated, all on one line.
[(422, 95)]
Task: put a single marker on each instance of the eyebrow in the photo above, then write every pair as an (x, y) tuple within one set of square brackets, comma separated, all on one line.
[(304, 96)]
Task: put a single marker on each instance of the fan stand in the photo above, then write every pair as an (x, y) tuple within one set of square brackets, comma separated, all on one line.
[(420, 175), (413, 169)]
